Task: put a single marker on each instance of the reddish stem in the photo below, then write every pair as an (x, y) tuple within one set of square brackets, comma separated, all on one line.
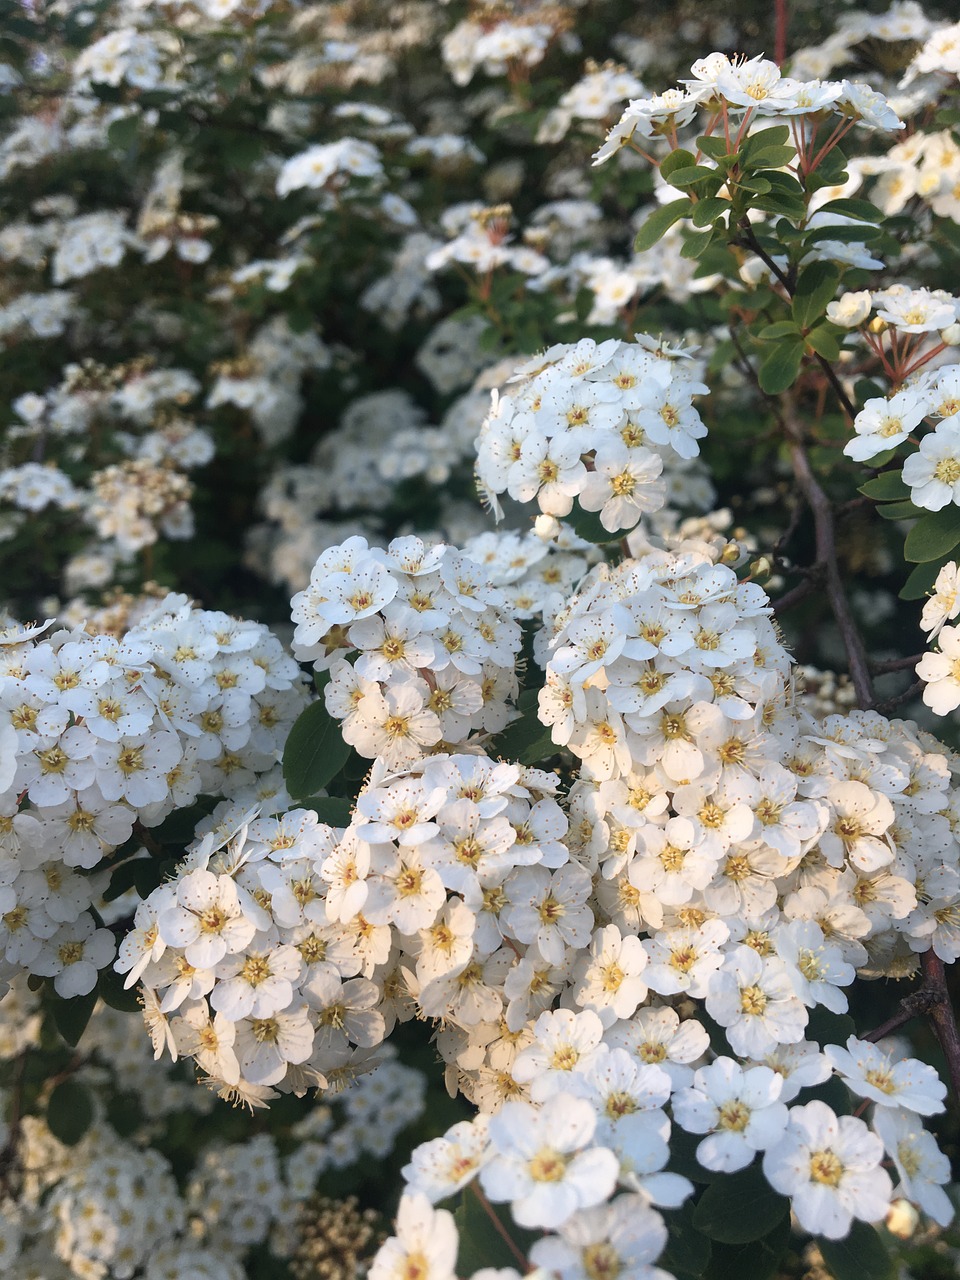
[(781, 12)]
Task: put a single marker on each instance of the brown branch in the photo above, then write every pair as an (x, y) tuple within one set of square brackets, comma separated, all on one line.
[(491, 1213), (933, 998), (888, 704), (796, 595), (881, 667), (826, 544), (941, 1013)]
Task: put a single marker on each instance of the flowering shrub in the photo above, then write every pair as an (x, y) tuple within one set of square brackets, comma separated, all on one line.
[(615, 798)]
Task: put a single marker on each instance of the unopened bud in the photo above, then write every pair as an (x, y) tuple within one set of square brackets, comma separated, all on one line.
[(902, 1219), (546, 527), (951, 335), (761, 568)]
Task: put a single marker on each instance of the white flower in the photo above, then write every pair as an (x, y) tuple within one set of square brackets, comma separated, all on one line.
[(739, 1110), (442, 1166), (921, 1165), (752, 998), (424, 1247), (542, 1162), (850, 310), (830, 1169), (941, 673), (621, 1239), (883, 424), (874, 1074), (623, 486), (933, 473), (944, 605)]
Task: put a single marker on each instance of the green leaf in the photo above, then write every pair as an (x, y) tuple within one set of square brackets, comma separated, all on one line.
[(481, 1244), (816, 285), (659, 223), (886, 487), (706, 212), (770, 157), (142, 874), (740, 1208), (315, 751), (862, 210), (757, 185), (825, 339), (859, 234), (861, 1256), (898, 511), (70, 1017), (111, 990), (335, 811), (691, 174), (123, 133), (920, 582), (696, 244), (715, 148), (758, 1260), (934, 536), (780, 368), (70, 1112), (687, 1254), (776, 136), (526, 740), (781, 329), (780, 202), (676, 160)]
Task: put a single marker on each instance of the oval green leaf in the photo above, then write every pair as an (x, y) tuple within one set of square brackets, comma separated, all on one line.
[(69, 1112), (934, 536), (859, 1256), (740, 1208), (315, 751)]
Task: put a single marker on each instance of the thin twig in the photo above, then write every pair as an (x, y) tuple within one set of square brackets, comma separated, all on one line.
[(888, 704), (941, 1013), (512, 1245), (933, 998), (882, 666), (796, 595), (826, 544)]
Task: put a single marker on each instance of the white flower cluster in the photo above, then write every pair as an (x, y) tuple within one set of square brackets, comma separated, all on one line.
[(481, 240), (266, 380), (751, 86), (593, 424), (290, 955), (584, 1156), (100, 734), (500, 43), (88, 243), (126, 55), (594, 96), (669, 682), (931, 471), (113, 1210), (38, 315), (330, 165), (437, 646)]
